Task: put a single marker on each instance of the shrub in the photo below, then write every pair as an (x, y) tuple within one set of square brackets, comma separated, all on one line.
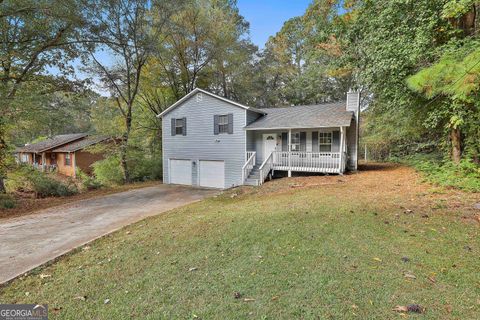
[(108, 171), (143, 169), (27, 179), (6, 202), (465, 175), (88, 182)]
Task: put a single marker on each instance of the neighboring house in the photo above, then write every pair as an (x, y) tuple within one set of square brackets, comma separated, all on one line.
[(63, 153), (211, 141)]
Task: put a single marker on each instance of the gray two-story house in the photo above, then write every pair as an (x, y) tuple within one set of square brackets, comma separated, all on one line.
[(210, 141)]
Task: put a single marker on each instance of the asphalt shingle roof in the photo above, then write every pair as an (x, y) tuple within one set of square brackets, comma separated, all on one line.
[(310, 116), (51, 143), (80, 144)]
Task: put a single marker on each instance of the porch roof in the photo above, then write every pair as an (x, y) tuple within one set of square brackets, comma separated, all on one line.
[(309, 116)]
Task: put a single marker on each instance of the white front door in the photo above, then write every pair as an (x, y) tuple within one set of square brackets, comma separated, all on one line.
[(269, 144), (212, 174)]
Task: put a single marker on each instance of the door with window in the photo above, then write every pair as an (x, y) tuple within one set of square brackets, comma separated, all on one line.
[(269, 144)]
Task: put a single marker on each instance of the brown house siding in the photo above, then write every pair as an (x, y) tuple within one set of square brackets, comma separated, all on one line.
[(84, 160), (68, 170)]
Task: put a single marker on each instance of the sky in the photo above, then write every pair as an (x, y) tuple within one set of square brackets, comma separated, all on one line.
[(266, 17)]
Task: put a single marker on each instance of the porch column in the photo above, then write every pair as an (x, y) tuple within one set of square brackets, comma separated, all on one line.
[(342, 147), (74, 163), (289, 152), (44, 162)]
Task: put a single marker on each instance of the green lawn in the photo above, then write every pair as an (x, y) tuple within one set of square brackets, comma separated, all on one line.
[(330, 250)]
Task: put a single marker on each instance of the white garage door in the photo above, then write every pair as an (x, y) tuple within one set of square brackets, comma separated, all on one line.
[(180, 171), (212, 174)]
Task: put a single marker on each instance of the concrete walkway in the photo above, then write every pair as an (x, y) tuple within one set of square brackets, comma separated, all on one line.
[(29, 241)]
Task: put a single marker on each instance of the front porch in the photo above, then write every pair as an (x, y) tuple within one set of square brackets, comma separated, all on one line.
[(316, 150)]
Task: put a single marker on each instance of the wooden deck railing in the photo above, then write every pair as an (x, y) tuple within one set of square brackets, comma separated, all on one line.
[(265, 168), (248, 166), (326, 162)]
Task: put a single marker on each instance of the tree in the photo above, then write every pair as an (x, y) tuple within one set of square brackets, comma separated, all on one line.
[(35, 36), (121, 28), (202, 44)]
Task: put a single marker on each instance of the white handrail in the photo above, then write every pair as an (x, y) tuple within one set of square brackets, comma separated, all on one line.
[(248, 166), (327, 162), (265, 168)]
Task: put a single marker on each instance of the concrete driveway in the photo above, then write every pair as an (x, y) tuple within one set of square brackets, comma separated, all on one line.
[(29, 241)]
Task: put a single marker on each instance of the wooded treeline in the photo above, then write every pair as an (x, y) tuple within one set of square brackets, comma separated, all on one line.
[(110, 66)]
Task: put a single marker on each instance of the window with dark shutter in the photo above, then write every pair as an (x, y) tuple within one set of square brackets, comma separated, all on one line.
[(223, 123)]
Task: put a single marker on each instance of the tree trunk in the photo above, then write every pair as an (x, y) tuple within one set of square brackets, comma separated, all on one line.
[(456, 139), (3, 155), (124, 146)]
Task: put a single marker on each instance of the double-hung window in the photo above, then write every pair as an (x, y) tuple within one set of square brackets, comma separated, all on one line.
[(325, 141), (223, 124), (68, 160), (295, 143), (178, 126)]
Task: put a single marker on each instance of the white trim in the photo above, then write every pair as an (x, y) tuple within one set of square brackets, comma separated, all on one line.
[(198, 90), (293, 128)]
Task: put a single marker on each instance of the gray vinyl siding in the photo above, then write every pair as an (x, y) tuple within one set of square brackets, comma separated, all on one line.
[(201, 143), (352, 146)]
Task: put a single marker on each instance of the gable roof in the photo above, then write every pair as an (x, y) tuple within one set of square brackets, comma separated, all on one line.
[(81, 144), (309, 116), (198, 90), (53, 142)]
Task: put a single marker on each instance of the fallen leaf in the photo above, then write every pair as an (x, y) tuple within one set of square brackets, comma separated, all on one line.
[(128, 232), (275, 298), (409, 276), (449, 308), (411, 308), (83, 298), (432, 279), (377, 259)]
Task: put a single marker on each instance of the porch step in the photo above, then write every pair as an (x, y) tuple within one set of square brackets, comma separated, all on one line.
[(252, 182)]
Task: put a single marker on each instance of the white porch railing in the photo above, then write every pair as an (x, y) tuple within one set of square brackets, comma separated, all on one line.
[(265, 168), (326, 162), (248, 166)]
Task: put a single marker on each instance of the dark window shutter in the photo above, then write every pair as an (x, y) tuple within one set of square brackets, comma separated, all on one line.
[(284, 141), (335, 141), (315, 147), (173, 126), (303, 141), (230, 123), (184, 127), (215, 124)]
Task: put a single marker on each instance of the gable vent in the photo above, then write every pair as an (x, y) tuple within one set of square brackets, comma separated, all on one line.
[(199, 97)]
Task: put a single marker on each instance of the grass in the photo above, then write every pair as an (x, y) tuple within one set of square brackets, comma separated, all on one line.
[(302, 248)]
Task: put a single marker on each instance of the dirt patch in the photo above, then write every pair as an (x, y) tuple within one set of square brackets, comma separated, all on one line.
[(25, 204), (381, 183)]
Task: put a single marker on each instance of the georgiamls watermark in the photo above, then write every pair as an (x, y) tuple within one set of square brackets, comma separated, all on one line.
[(23, 312)]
